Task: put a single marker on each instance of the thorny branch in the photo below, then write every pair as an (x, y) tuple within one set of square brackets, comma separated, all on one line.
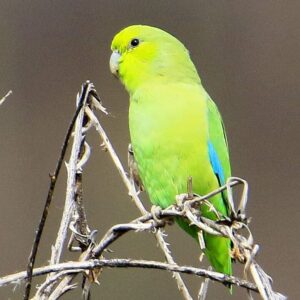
[(53, 180), (187, 206), (74, 169), (77, 267)]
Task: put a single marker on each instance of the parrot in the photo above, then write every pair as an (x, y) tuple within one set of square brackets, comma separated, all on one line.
[(176, 129)]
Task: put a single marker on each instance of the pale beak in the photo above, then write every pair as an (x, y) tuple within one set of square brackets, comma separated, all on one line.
[(114, 62)]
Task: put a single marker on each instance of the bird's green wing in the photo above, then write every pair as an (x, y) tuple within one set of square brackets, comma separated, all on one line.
[(218, 248), (217, 144)]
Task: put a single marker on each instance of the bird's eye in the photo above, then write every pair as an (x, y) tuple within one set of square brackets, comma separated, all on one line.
[(134, 42)]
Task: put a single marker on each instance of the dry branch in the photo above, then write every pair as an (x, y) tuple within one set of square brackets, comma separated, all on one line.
[(42, 222), (76, 267)]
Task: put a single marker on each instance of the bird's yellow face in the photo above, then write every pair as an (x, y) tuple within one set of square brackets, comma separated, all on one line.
[(143, 53), (133, 54)]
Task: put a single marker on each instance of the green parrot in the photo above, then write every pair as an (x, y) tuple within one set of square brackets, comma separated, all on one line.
[(176, 129)]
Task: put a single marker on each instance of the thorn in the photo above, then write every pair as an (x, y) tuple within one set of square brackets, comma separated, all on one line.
[(85, 157), (201, 240), (201, 257), (97, 104), (109, 250), (103, 147)]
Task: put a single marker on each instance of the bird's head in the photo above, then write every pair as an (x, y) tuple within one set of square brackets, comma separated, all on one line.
[(142, 54)]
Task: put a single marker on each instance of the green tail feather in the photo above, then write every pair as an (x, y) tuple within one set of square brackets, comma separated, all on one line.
[(217, 249)]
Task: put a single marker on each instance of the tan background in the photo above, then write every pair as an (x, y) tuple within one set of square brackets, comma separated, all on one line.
[(247, 53)]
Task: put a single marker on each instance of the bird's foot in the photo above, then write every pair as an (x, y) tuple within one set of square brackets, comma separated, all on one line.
[(237, 254), (156, 215), (181, 198)]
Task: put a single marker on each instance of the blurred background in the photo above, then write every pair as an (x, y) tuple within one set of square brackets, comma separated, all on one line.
[(247, 53)]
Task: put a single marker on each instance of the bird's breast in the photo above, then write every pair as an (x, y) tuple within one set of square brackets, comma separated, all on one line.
[(169, 139)]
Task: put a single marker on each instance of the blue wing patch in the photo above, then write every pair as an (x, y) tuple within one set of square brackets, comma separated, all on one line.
[(215, 163)]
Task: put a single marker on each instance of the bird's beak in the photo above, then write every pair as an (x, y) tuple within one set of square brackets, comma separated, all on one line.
[(114, 62)]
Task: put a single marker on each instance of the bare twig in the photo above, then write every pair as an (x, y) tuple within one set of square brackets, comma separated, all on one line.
[(53, 179), (2, 100), (53, 279), (264, 283), (76, 267), (116, 160), (70, 195), (167, 253), (72, 170), (204, 287)]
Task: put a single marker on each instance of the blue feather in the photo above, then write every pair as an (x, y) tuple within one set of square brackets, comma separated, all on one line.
[(215, 163)]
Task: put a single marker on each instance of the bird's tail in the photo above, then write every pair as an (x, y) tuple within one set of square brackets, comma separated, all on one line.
[(217, 249)]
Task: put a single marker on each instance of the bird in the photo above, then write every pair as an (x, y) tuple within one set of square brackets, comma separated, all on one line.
[(176, 129)]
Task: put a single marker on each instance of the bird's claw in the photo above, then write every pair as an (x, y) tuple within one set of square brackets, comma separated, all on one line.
[(156, 215)]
